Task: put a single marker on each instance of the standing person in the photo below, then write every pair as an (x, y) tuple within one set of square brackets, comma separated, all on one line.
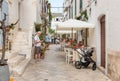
[(37, 46), (63, 45), (47, 41), (52, 38), (55, 39)]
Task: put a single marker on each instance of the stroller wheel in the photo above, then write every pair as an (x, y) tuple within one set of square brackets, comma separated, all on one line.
[(94, 66), (78, 65)]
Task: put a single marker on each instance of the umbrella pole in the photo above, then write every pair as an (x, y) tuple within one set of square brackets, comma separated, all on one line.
[(72, 34), (86, 32), (72, 37)]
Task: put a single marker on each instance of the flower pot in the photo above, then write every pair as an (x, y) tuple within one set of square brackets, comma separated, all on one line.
[(4, 73)]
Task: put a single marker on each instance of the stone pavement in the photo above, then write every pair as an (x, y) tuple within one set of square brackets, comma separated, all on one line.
[(54, 68)]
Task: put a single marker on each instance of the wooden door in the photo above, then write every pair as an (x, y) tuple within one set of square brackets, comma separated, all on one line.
[(102, 22)]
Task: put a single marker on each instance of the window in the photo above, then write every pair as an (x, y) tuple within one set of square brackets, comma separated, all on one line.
[(80, 4), (57, 19), (75, 7)]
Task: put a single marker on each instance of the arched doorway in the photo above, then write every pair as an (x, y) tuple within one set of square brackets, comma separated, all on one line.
[(103, 43)]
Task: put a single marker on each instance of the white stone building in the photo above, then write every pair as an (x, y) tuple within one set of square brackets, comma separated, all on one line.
[(104, 37), (105, 15), (23, 10), (27, 12)]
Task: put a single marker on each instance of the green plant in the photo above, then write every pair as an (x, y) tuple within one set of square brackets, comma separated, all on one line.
[(51, 31), (64, 36), (41, 37), (49, 11), (83, 16), (37, 26)]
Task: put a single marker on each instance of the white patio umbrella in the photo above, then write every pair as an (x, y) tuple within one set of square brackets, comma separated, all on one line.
[(73, 24), (65, 31)]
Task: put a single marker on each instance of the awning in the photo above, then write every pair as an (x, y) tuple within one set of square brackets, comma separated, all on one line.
[(73, 24), (64, 32)]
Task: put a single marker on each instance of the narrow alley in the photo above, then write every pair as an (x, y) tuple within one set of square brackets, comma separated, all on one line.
[(54, 68)]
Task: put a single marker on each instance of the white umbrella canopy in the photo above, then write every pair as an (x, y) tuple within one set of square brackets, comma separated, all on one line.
[(73, 24), (65, 32)]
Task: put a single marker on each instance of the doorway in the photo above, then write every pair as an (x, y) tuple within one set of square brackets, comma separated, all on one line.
[(103, 43)]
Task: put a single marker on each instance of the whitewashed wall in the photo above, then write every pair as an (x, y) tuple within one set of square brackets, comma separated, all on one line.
[(13, 11), (28, 13), (110, 8), (114, 25), (39, 11), (78, 8)]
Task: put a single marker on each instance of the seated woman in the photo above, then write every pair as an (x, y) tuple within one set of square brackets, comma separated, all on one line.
[(70, 42), (74, 43), (80, 45)]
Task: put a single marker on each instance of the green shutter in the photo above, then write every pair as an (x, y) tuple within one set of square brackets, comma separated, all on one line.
[(75, 7), (80, 4)]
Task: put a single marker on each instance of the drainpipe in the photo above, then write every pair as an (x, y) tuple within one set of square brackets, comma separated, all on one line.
[(19, 13)]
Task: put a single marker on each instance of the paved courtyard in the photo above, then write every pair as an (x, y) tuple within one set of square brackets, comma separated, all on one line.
[(54, 68)]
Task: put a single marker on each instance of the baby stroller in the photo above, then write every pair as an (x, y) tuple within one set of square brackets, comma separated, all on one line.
[(85, 58)]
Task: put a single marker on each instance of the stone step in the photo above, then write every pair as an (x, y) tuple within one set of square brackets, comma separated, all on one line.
[(18, 44), (10, 55), (21, 36), (21, 40), (18, 70), (25, 52), (19, 47), (18, 63), (15, 61), (23, 46)]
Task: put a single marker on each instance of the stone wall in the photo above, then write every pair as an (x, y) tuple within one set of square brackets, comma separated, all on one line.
[(114, 65), (27, 13)]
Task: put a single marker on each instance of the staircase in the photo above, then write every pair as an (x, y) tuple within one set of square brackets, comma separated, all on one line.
[(20, 55)]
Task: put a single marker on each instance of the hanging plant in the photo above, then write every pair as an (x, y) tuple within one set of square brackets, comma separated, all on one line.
[(49, 12), (37, 26), (46, 1), (83, 16), (51, 31)]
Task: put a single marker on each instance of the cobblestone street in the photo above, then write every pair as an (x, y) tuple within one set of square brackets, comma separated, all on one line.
[(54, 68)]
